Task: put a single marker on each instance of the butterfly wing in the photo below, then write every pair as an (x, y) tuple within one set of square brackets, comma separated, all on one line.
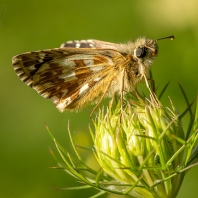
[(70, 77)]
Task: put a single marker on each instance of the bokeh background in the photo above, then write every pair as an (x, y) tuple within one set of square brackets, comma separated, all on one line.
[(34, 25)]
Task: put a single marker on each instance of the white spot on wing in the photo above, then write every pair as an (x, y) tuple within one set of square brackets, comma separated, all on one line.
[(78, 45), (88, 62), (91, 45), (68, 76), (63, 62), (83, 88), (96, 68), (71, 75), (54, 99), (97, 79), (45, 94), (32, 67), (63, 103)]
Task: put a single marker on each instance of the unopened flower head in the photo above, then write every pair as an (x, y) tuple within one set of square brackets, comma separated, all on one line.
[(139, 146)]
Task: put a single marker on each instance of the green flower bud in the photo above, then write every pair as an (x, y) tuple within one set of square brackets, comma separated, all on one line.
[(139, 147)]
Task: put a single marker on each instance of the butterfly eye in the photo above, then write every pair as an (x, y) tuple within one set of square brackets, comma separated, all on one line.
[(141, 52)]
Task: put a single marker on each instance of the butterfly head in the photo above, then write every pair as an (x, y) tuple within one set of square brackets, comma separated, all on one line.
[(145, 49)]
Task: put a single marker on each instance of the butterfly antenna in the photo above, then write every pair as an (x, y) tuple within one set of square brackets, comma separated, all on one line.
[(168, 37)]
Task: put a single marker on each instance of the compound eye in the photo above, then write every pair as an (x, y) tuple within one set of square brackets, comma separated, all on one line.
[(141, 52)]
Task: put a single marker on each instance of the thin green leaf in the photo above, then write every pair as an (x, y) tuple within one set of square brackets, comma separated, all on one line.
[(73, 145), (186, 110), (163, 90), (186, 98), (75, 188)]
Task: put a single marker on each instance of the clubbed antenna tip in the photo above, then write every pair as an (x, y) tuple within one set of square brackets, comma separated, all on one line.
[(170, 37)]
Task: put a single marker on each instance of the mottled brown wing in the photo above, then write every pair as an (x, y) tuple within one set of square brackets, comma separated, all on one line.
[(70, 77)]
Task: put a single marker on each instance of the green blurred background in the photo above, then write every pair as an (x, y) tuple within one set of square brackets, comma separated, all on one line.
[(30, 25)]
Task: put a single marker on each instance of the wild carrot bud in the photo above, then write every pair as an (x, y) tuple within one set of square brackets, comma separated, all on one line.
[(139, 147)]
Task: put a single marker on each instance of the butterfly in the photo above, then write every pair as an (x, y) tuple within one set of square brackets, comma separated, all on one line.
[(83, 72)]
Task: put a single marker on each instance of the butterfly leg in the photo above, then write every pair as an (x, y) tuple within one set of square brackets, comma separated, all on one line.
[(152, 84), (122, 93), (102, 97), (152, 93)]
